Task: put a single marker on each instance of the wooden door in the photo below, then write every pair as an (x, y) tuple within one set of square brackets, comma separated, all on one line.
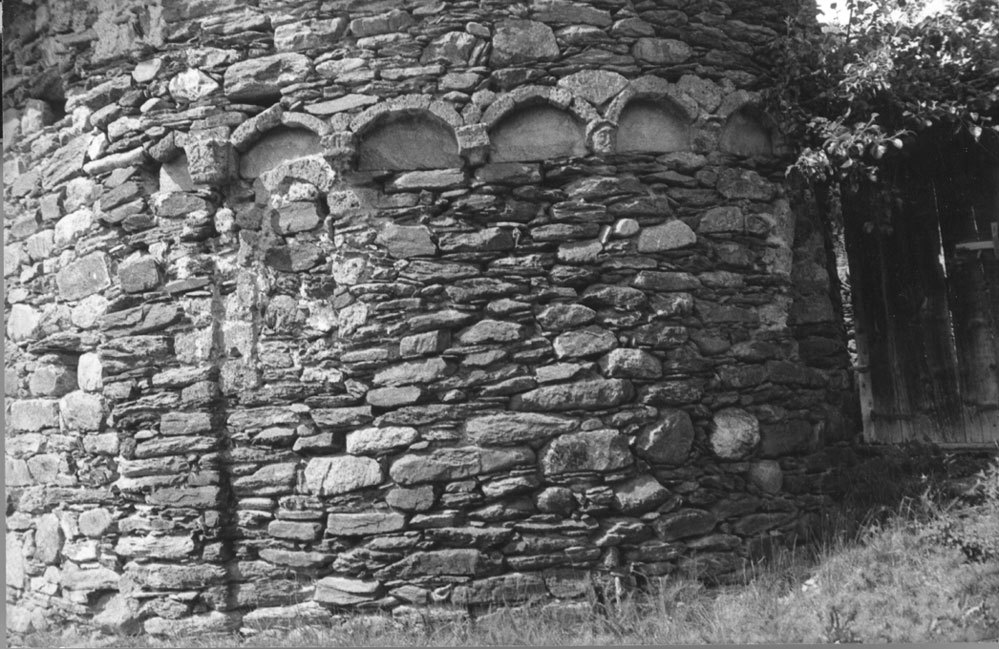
[(925, 286)]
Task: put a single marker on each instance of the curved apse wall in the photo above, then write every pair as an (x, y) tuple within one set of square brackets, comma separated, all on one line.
[(329, 309)]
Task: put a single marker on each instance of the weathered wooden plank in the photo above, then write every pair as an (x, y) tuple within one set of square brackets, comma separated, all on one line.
[(975, 245), (928, 334), (967, 202)]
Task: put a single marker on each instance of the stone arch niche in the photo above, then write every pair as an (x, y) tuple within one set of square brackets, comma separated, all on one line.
[(537, 132), (278, 145), (407, 140), (747, 132), (652, 125)]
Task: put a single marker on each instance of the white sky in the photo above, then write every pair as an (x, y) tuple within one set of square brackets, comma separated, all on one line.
[(839, 14)]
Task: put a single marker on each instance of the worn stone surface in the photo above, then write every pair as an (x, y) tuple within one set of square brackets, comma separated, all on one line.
[(639, 495), (341, 591), (89, 372), (522, 41), (95, 522), (52, 381), (155, 547), (494, 331), (331, 476), (309, 34), (411, 499), (662, 50), (604, 393), (502, 590), (722, 219), (668, 441), (364, 524), (588, 341), (414, 372), (90, 579), (268, 480), (456, 562), (262, 78), (138, 275), (49, 539), (672, 235), (596, 86), (598, 450), (684, 524), (735, 433), (191, 85), (735, 183), (120, 615), (509, 428), (84, 277), (442, 465), (291, 616), (213, 622), (372, 441), (404, 242), (299, 216), (631, 364), (767, 475), (563, 316)]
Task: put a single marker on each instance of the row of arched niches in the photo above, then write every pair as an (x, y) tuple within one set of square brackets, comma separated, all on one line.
[(415, 133)]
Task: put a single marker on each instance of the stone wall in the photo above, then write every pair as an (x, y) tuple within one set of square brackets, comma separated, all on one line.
[(317, 306)]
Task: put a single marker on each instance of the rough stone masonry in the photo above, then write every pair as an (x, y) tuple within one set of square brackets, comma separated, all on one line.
[(330, 306)]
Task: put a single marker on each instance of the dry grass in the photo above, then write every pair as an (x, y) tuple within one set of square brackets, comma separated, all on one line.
[(905, 576)]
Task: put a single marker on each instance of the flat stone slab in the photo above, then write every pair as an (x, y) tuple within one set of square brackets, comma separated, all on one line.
[(640, 494), (329, 476), (631, 364), (372, 441), (596, 450), (442, 465), (405, 241), (262, 78), (684, 524), (522, 41), (564, 316), (588, 341), (30, 415), (669, 236), (84, 277), (425, 371), (586, 395), (512, 428), (364, 523), (456, 562), (343, 591)]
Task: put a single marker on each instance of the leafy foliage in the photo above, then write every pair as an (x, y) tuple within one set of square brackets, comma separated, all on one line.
[(864, 89), (974, 528)]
